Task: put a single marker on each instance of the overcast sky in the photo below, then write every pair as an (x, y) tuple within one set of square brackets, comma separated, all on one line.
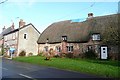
[(42, 14)]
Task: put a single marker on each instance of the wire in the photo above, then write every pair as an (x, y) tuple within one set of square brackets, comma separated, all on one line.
[(77, 11), (3, 1)]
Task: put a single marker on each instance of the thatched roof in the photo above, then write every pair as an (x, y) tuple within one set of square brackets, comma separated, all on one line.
[(76, 31)]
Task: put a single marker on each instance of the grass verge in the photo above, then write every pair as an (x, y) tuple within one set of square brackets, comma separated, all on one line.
[(103, 68)]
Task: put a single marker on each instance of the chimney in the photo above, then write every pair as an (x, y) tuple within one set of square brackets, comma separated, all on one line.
[(21, 23), (3, 28), (90, 15), (12, 26)]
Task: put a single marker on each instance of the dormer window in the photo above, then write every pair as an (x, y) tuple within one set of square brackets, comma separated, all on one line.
[(64, 38), (47, 40), (96, 37)]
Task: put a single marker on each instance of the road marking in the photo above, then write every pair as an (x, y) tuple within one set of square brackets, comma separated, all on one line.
[(4, 68), (27, 76)]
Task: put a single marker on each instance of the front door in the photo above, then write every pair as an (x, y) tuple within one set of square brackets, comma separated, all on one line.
[(104, 52)]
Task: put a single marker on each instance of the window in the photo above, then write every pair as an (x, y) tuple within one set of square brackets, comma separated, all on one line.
[(64, 38), (69, 48), (5, 38), (58, 49), (13, 36), (89, 47), (46, 48), (96, 37), (25, 36)]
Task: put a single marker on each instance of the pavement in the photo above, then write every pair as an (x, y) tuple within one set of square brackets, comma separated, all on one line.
[(18, 70)]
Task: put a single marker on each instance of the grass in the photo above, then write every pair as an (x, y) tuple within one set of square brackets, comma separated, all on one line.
[(103, 68)]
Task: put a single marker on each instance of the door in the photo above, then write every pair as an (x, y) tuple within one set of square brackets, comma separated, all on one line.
[(104, 52)]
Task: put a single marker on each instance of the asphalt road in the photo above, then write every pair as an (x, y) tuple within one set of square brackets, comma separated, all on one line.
[(13, 69)]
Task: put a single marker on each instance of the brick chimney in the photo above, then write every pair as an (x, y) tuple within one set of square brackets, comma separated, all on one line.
[(3, 28), (90, 15), (21, 23)]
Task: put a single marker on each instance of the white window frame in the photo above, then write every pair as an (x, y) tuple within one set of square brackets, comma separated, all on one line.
[(64, 38), (70, 48), (46, 48), (96, 37), (58, 49), (26, 36)]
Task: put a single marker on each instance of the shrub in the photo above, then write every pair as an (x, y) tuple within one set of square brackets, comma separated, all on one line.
[(69, 55), (90, 54), (114, 56), (40, 54), (30, 54), (22, 53)]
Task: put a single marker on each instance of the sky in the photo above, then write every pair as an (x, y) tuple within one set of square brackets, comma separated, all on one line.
[(43, 13)]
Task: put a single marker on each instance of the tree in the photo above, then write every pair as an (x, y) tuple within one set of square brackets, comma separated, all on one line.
[(111, 33)]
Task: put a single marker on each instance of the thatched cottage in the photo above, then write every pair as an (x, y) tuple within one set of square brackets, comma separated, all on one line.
[(75, 38)]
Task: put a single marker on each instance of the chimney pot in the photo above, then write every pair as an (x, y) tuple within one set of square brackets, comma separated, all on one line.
[(90, 15), (3, 28), (21, 23), (12, 26)]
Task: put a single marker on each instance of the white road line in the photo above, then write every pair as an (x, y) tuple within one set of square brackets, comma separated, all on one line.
[(27, 76), (4, 68)]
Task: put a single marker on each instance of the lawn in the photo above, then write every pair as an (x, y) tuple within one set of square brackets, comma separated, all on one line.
[(103, 68)]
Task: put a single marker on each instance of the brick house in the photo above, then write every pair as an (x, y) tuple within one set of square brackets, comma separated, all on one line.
[(4, 31), (23, 38), (75, 37)]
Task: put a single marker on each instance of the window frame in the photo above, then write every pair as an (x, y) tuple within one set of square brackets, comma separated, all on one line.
[(46, 48), (64, 38), (25, 37), (96, 37), (70, 48), (58, 48)]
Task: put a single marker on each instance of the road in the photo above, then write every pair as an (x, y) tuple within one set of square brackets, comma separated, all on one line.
[(14, 69)]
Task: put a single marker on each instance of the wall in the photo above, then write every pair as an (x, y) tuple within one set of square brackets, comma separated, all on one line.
[(78, 48), (30, 44), (10, 41)]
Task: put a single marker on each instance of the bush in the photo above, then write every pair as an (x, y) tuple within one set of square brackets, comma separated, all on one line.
[(114, 56), (69, 55), (22, 53), (30, 54), (40, 54), (90, 54)]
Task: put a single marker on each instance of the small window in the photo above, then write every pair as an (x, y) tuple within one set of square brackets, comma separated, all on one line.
[(64, 38), (46, 48), (25, 36), (89, 47), (96, 37), (58, 49), (13, 36), (70, 48)]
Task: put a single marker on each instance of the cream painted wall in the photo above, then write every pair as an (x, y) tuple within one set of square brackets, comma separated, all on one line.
[(30, 44)]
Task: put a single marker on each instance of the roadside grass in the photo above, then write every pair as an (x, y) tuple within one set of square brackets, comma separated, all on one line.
[(103, 68)]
